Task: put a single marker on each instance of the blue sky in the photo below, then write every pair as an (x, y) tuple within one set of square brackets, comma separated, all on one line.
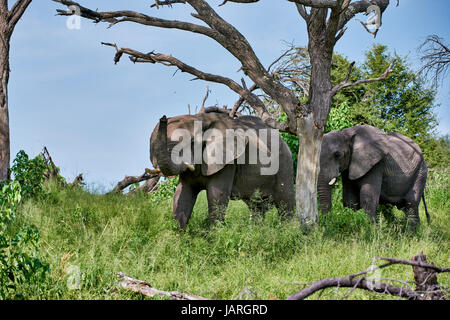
[(96, 117)]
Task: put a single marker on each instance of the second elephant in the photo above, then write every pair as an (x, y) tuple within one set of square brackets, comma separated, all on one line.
[(377, 168)]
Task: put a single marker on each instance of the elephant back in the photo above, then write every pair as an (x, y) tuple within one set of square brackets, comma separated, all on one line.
[(404, 157)]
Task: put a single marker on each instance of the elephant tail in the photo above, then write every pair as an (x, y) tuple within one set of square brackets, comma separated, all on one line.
[(426, 210)]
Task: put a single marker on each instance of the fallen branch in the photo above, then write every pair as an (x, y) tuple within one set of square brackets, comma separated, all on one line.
[(427, 287), (358, 283), (129, 180), (147, 290), (53, 172), (149, 186), (78, 181)]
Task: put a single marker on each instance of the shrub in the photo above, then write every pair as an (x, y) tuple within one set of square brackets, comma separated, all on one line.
[(166, 189), (29, 173), (19, 262)]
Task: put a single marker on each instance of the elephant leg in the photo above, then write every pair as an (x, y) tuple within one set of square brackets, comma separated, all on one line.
[(369, 195), (415, 195), (350, 195), (218, 192), (183, 203), (285, 207), (412, 216), (258, 208)]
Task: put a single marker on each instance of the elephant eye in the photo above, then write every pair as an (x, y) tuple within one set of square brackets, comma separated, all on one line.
[(338, 154)]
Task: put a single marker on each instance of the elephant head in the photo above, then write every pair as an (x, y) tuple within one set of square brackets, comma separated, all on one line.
[(354, 150), (202, 131)]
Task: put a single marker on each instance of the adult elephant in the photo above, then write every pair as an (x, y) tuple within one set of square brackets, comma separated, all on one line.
[(237, 176), (377, 168)]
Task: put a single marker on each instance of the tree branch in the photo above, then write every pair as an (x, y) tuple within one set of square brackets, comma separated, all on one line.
[(129, 180), (166, 3), (361, 6), (146, 289), (238, 1), (415, 264), (239, 47), (302, 11), (316, 3), (347, 83), (435, 58), (17, 12), (115, 17), (424, 275), (226, 35), (152, 57), (354, 283)]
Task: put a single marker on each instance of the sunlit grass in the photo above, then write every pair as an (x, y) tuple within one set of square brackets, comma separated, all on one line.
[(104, 234)]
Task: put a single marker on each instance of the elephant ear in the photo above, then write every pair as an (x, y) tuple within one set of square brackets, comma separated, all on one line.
[(226, 140), (368, 148)]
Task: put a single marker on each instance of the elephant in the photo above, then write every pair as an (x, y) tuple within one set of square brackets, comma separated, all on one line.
[(234, 178), (377, 168)]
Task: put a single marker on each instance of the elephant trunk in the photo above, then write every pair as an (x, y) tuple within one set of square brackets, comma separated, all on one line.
[(165, 163), (324, 192)]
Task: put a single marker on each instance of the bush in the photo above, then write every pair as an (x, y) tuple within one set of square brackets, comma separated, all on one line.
[(19, 262), (29, 173), (166, 189)]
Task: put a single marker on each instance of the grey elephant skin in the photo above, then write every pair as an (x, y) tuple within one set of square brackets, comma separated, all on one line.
[(377, 168), (232, 180)]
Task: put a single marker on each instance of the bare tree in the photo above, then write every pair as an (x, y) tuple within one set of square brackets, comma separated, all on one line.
[(435, 58), (325, 21), (8, 21)]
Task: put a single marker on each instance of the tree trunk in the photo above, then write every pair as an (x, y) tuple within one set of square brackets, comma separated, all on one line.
[(4, 112), (311, 126), (310, 143)]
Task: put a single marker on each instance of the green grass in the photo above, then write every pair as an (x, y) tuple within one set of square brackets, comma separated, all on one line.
[(104, 234)]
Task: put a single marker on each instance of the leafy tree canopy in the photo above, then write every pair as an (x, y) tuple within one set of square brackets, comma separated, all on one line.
[(404, 102)]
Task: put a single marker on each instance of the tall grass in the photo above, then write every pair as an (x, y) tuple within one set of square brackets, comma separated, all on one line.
[(251, 257)]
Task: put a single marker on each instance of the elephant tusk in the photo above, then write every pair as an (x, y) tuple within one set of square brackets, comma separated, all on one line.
[(190, 167), (333, 181)]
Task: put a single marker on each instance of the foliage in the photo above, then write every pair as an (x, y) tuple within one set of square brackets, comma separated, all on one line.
[(338, 118), (19, 261), (29, 173), (166, 189), (403, 103), (100, 235)]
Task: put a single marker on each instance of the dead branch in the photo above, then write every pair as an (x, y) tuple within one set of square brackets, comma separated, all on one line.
[(16, 12), (347, 83), (148, 187), (152, 57), (222, 32), (358, 283), (52, 172), (129, 180), (204, 99), (426, 280), (435, 57), (416, 263), (78, 181), (427, 287), (146, 289), (168, 3)]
